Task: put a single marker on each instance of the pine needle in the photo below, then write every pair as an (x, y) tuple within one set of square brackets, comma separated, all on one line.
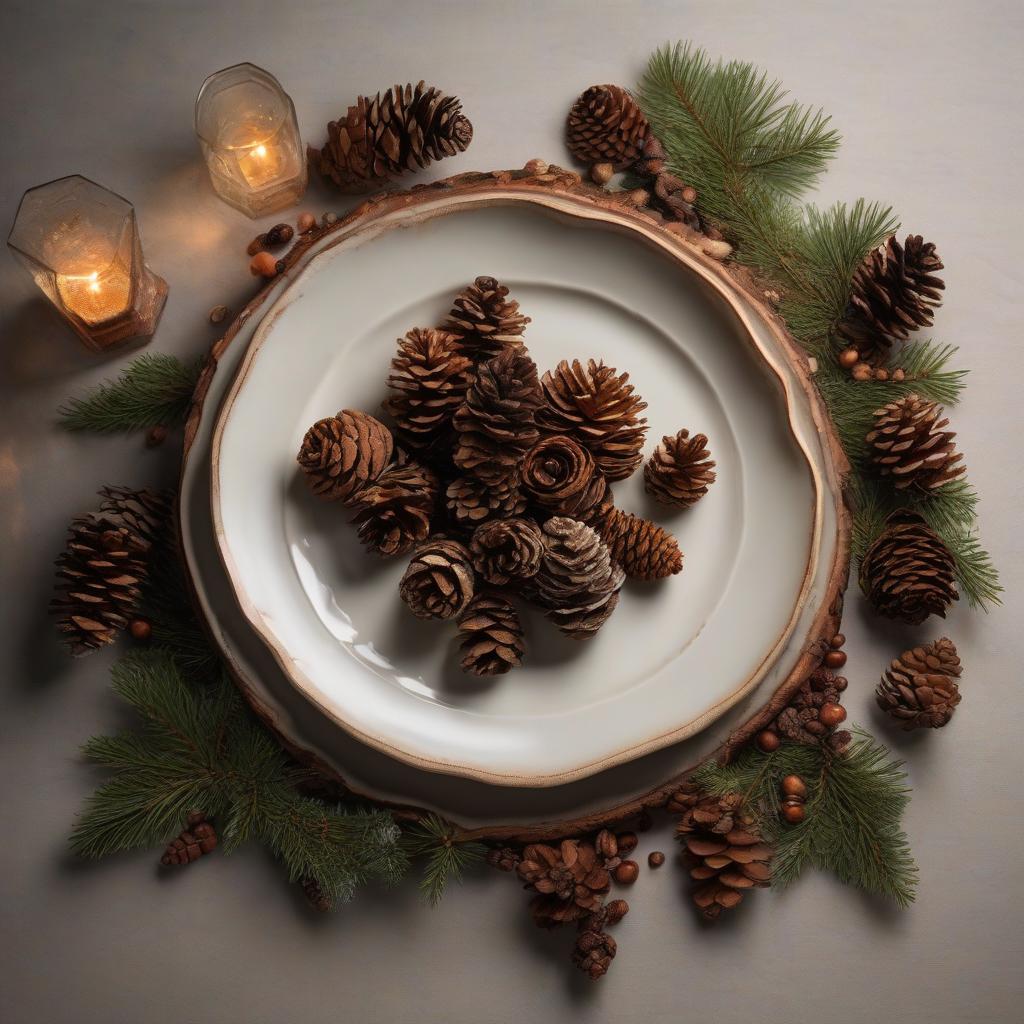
[(446, 857)]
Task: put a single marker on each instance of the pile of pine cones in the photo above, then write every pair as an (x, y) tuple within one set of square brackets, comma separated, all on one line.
[(497, 480)]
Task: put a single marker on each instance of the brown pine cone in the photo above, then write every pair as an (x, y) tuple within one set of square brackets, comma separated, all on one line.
[(685, 797), (606, 125), (439, 581), (594, 950), (495, 423), (598, 410), (429, 377), (504, 858), (643, 549), (507, 550), (802, 721), (145, 513), (470, 501), (393, 513), (908, 444), (560, 478), (315, 895), (402, 129), (490, 636), (894, 292), (194, 841), (680, 470), (577, 584), (568, 879), (908, 573), (919, 689), (725, 853), (341, 454), (485, 320)]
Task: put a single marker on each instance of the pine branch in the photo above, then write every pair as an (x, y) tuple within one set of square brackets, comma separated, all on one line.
[(154, 389), (447, 858)]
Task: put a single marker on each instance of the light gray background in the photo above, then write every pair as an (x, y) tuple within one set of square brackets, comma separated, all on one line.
[(927, 96)]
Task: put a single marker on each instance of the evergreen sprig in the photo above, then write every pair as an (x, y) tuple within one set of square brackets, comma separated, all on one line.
[(855, 803), (155, 388), (446, 857)]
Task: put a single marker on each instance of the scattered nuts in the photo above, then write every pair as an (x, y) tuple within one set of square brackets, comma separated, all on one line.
[(615, 911), (217, 314), (861, 372), (831, 715), (279, 234), (793, 785), (837, 641), (328, 219)]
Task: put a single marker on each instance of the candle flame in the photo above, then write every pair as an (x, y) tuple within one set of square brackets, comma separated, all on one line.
[(260, 151)]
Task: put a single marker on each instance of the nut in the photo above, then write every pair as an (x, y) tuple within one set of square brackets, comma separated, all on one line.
[(536, 166), (217, 314), (767, 741), (606, 843), (601, 173), (655, 858), (263, 265), (306, 223), (627, 872), (627, 842), (279, 234)]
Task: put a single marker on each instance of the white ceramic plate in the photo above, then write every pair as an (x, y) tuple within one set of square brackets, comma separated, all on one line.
[(674, 656)]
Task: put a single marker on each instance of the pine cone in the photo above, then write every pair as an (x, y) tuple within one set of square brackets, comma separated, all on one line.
[(560, 478), (429, 377), (643, 549), (145, 513), (504, 858), (686, 796), (908, 573), (507, 550), (99, 576), (568, 879), (393, 513), (485, 321), (577, 584), (599, 411), (893, 293), (594, 950), (398, 130), (680, 470), (724, 851), (470, 501), (908, 443), (606, 125), (315, 895), (495, 423), (920, 689), (341, 454), (439, 581), (801, 721), (490, 636), (194, 841)]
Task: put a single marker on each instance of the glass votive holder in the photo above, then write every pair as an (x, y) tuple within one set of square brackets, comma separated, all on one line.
[(80, 243), (249, 136)]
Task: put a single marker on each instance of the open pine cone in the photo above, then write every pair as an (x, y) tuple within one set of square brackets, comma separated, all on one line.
[(393, 513), (594, 948), (909, 445), (470, 501), (569, 880), (801, 721), (908, 573), (490, 636), (507, 550), (341, 454), (399, 130), (144, 512), (596, 408), (919, 689), (645, 550), (485, 320), (439, 582), (725, 853), (606, 125), (560, 477), (680, 470)]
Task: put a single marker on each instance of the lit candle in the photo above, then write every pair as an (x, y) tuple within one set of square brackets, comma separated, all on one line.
[(249, 136), (80, 243)]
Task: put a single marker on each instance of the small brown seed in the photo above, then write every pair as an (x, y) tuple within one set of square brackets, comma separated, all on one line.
[(156, 436), (536, 166), (881, 373), (328, 219), (280, 267), (258, 244), (835, 659), (306, 222), (830, 715), (217, 314), (601, 173), (793, 813), (849, 358), (279, 234), (615, 911), (899, 374), (767, 741), (140, 630), (627, 872), (655, 858), (263, 265), (840, 683), (689, 195), (606, 843), (861, 372), (837, 641), (793, 785), (627, 842)]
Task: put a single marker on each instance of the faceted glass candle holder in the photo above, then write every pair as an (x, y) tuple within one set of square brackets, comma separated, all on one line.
[(80, 243), (250, 140)]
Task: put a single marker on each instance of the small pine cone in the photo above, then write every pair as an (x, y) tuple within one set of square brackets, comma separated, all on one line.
[(908, 444), (490, 636), (470, 501), (685, 797), (800, 722), (439, 581), (402, 129), (893, 292), (680, 470), (577, 584), (393, 513), (569, 880), (507, 550), (643, 549), (429, 378), (341, 454), (194, 841), (495, 423), (594, 951), (503, 858), (724, 851), (144, 512), (908, 573), (598, 409), (560, 477), (315, 894), (485, 321), (606, 125), (919, 689)]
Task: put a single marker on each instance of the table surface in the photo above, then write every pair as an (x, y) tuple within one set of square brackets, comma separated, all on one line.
[(927, 97)]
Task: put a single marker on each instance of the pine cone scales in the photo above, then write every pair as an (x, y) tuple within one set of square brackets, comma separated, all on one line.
[(598, 409), (801, 721), (490, 636), (394, 512), (560, 477), (908, 573), (470, 501), (593, 951), (401, 129), (908, 444), (919, 689), (485, 321), (643, 549), (145, 513), (680, 470), (439, 582), (569, 880), (606, 125), (196, 840), (507, 549), (341, 454)]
